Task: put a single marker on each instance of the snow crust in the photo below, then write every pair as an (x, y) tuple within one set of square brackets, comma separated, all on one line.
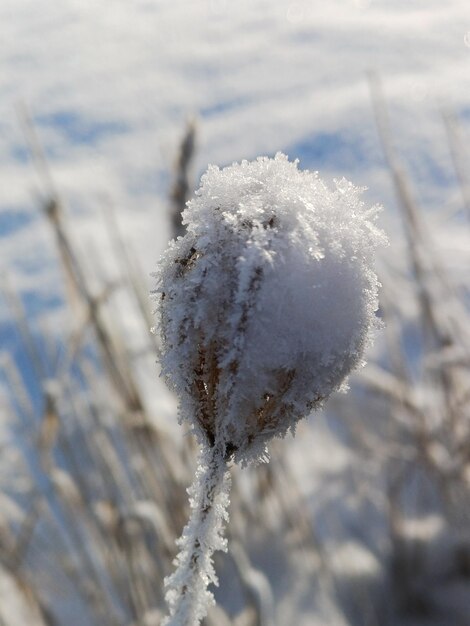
[(267, 303)]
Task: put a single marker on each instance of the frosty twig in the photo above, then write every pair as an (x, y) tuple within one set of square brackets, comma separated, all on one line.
[(187, 594)]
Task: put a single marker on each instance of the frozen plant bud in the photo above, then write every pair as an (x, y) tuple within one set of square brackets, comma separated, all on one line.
[(267, 303), (264, 307)]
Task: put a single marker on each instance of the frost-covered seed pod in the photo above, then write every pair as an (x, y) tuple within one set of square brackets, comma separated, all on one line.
[(266, 304)]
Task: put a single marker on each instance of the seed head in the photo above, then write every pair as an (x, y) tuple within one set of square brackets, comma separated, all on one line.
[(267, 303)]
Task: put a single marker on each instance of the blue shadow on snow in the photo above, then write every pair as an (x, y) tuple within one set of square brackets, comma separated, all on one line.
[(12, 220), (79, 130)]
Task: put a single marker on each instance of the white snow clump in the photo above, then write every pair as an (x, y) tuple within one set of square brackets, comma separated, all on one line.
[(267, 303)]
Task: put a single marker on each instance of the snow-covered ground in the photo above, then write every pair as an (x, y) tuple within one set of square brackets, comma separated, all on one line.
[(110, 84)]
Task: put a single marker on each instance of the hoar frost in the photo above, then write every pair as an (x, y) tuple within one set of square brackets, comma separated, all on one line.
[(267, 302), (264, 307)]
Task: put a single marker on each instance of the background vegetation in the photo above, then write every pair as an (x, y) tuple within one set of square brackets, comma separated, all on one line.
[(363, 520)]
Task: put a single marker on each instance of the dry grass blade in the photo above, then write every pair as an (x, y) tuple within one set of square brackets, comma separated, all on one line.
[(19, 316), (17, 386), (181, 188)]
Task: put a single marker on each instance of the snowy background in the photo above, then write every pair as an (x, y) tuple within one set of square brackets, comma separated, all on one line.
[(109, 87)]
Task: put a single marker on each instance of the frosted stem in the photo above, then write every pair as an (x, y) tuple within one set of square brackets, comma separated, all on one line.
[(187, 592)]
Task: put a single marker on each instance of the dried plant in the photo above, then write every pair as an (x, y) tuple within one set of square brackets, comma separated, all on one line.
[(264, 308)]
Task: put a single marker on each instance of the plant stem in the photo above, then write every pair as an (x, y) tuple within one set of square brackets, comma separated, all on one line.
[(187, 593)]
